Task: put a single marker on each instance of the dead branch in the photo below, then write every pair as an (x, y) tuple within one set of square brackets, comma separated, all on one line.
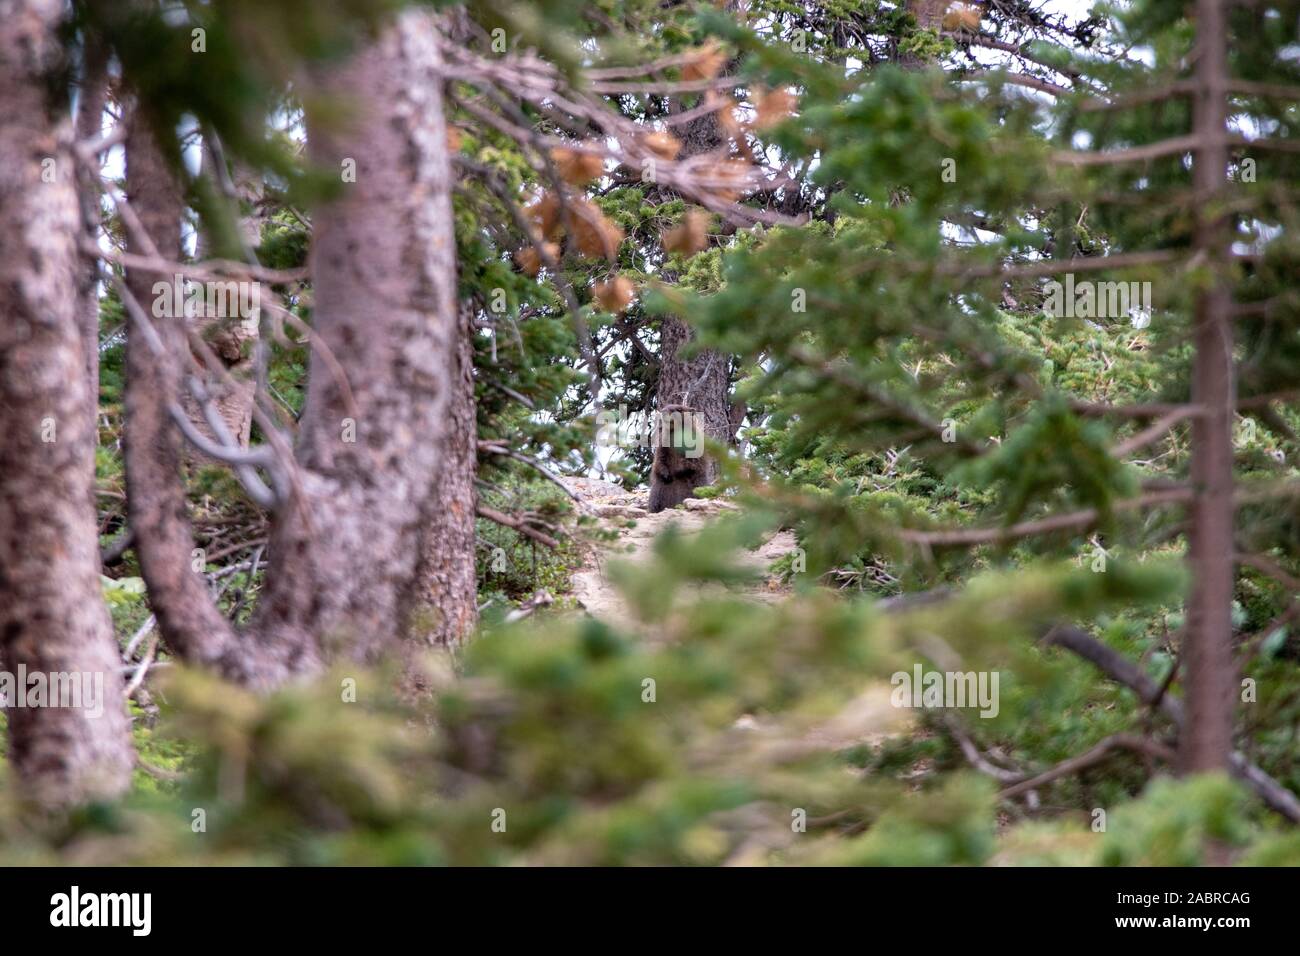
[(1087, 517), (1101, 751), (977, 759), (518, 524), (113, 552), (1071, 521), (225, 448), (1156, 431), (539, 600), (1166, 147), (142, 669), (1050, 267), (1018, 79), (1119, 668), (208, 270), (1267, 566), (496, 448)]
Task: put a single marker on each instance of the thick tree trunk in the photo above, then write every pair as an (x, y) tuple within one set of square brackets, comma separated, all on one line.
[(447, 584), (1207, 651), (699, 385), (344, 548), (384, 275), (52, 617)]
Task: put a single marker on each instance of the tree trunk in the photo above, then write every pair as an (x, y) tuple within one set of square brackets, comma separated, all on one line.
[(89, 123), (384, 282), (1207, 650), (928, 15), (157, 510), (52, 617), (343, 549), (700, 384), (447, 584)]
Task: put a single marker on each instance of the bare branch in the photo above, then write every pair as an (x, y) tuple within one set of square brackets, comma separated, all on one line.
[(1017, 79), (496, 448), (1120, 669), (539, 600), (1155, 95), (516, 523), (1165, 147), (1072, 521), (1049, 267), (210, 269), (1088, 758), (1267, 566), (1155, 432), (667, 88), (228, 450)]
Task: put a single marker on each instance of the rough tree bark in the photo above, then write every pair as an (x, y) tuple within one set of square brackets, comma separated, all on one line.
[(52, 615), (447, 583), (929, 16), (344, 547), (1207, 649), (701, 383), (89, 123), (384, 282)]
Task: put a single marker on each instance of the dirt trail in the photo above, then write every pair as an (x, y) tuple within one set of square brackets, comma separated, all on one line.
[(869, 717), (616, 508)]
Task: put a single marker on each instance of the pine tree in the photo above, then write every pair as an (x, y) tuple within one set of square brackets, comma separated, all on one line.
[(54, 626), (910, 322)]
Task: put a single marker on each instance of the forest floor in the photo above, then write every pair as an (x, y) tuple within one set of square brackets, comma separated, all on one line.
[(624, 513)]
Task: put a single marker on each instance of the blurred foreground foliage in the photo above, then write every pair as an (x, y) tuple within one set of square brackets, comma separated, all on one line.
[(744, 734), (766, 734)]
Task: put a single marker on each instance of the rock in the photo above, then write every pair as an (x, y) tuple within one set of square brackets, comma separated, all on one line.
[(713, 505), (619, 511), (592, 487)]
